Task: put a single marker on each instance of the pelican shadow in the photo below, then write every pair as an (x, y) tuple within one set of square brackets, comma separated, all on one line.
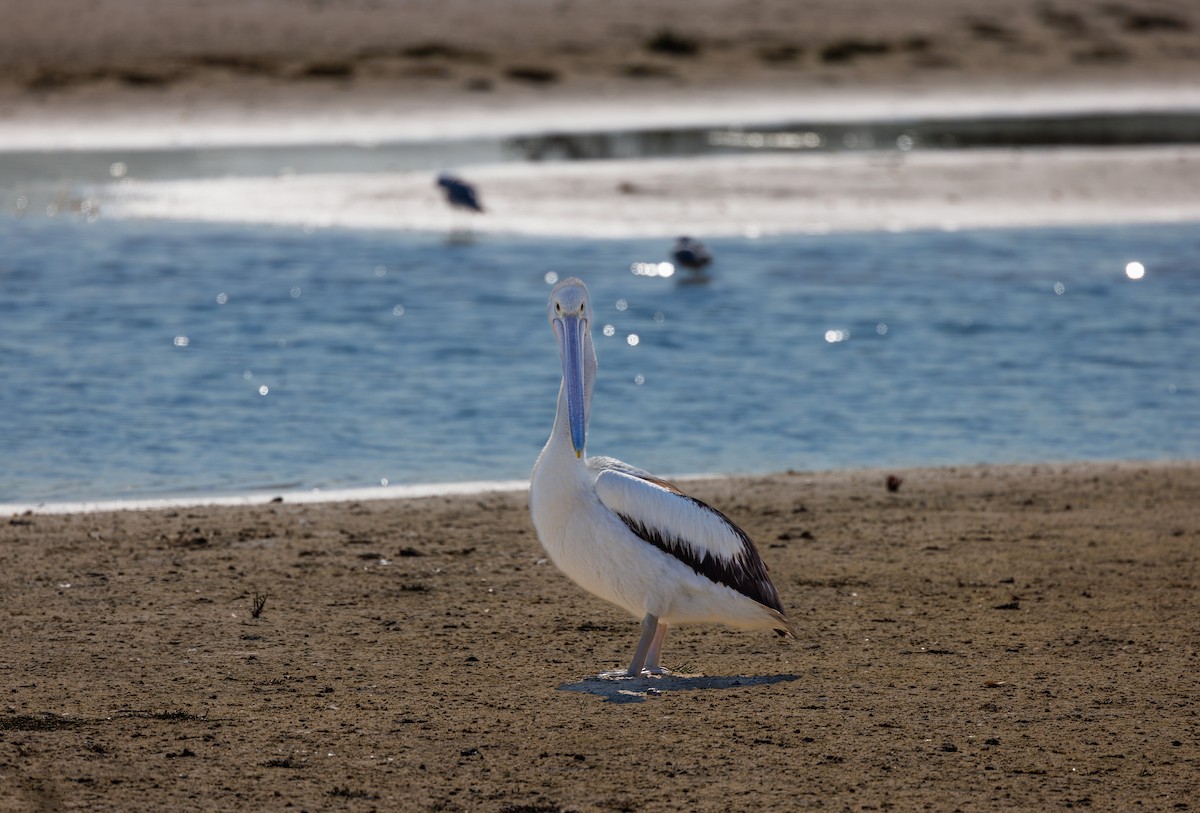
[(636, 690)]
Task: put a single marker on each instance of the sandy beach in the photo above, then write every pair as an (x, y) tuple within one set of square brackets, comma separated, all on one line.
[(1016, 638)]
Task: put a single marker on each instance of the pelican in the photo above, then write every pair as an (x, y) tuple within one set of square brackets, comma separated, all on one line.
[(627, 536), (459, 193)]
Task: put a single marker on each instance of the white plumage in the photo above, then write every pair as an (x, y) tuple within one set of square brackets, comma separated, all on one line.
[(627, 536)]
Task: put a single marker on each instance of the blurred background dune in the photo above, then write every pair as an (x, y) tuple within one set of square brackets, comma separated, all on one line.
[(68, 48)]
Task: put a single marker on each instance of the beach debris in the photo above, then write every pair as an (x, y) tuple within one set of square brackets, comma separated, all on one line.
[(851, 49), (258, 604), (668, 42), (330, 69), (641, 70), (45, 721), (985, 29), (533, 74), (280, 762), (893, 483), (780, 53)]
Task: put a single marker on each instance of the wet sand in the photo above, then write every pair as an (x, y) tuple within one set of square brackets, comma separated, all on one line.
[(724, 196), (1016, 638)]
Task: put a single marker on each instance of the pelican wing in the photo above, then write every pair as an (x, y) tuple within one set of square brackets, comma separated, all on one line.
[(693, 532)]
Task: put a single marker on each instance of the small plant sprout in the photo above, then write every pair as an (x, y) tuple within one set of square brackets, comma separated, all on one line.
[(256, 608)]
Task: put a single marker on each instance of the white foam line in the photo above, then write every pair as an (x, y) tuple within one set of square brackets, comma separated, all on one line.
[(399, 492)]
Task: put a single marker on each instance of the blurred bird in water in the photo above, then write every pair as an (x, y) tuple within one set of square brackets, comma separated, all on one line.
[(459, 193), (694, 256)]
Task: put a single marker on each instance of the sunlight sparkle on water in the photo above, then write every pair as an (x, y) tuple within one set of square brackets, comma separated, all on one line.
[(550, 277), (609, 330), (181, 341), (1135, 270), (834, 336), (663, 269), (632, 339)]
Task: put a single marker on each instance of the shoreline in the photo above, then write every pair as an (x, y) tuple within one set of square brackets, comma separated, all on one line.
[(393, 493)]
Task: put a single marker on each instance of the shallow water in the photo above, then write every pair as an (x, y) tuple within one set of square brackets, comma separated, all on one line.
[(172, 358)]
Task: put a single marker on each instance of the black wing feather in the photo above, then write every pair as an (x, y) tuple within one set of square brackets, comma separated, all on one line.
[(745, 573)]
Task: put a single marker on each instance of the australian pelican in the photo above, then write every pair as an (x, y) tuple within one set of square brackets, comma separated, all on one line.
[(629, 537)]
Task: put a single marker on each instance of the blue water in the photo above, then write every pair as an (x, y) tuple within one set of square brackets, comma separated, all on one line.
[(161, 359)]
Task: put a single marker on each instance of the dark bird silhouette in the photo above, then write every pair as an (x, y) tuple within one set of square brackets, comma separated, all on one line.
[(691, 254), (459, 193)]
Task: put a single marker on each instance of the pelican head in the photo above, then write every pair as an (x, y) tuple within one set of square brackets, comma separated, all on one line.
[(570, 314)]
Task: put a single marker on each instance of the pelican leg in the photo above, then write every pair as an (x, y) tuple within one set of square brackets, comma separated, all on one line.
[(652, 665), (645, 644)]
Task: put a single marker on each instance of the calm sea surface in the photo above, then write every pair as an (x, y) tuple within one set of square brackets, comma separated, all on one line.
[(144, 359)]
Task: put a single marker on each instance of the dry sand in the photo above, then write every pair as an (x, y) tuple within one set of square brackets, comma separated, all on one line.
[(1016, 638)]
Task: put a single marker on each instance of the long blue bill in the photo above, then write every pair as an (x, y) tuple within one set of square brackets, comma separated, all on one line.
[(570, 330)]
